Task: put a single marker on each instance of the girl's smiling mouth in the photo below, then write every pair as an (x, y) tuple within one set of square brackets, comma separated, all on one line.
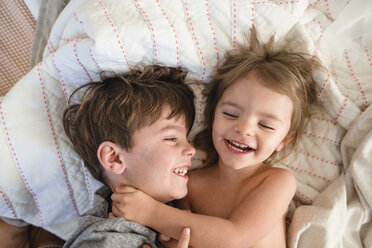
[(238, 147)]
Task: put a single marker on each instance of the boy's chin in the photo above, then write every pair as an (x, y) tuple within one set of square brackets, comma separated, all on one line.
[(173, 196)]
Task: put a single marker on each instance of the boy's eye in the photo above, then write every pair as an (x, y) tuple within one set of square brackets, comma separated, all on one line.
[(266, 126), (171, 139), (230, 115)]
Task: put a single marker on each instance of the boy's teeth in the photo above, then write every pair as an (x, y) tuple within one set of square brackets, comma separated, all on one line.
[(181, 172)]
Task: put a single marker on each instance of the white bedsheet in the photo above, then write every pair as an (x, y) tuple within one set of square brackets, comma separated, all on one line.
[(42, 180), (34, 6)]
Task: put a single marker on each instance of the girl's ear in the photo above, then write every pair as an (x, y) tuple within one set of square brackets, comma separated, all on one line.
[(110, 156), (285, 141)]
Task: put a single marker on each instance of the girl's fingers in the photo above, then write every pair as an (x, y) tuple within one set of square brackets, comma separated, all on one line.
[(185, 238), (163, 237)]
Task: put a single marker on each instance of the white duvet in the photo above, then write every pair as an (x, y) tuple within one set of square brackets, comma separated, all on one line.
[(42, 180)]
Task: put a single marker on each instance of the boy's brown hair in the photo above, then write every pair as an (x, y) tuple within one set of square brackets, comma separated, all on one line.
[(114, 108), (288, 73)]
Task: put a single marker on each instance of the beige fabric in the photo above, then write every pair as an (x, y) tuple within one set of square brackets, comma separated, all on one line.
[(17, 27)]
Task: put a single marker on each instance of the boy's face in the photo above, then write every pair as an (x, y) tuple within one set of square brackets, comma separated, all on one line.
[(159, 159), (250, 123)]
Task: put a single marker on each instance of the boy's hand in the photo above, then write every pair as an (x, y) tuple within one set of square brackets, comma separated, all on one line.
[(132, 204)]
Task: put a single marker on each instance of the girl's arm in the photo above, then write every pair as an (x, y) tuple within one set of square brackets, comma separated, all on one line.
[(257, 214)]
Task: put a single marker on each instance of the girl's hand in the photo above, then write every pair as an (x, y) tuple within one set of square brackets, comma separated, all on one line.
[(172, 243), (132, 205)]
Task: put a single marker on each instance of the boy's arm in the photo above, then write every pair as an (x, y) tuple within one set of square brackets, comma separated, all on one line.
[(257, 214)]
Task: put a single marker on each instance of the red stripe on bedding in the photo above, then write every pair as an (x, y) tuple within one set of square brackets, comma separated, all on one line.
[(201, 56), (63, 84), (324, 86), (50, 46), (213, 33), (18, 165), (310, 173), (89, 188), (368, 57), (322, 138), (7, 202), (302, 195), (45, 100), (234, 23), (78, 60), (90, 50), (323, 119), (174, 31), (95, 61), (116, 33), (320, 26), (235, 20), (253, 13), (341, 109), (153, 37), (278, 3), (353, 75), (319, 159)]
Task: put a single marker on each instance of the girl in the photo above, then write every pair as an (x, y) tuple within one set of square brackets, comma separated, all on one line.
[(256, 109)]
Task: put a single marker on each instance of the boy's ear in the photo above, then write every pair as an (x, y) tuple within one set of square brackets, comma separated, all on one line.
[(110, 157), (285, 141)]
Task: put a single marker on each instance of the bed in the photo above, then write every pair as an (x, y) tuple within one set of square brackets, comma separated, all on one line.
[(44, 182)]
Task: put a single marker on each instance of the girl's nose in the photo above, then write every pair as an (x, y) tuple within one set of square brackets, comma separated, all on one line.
[(245, 128)]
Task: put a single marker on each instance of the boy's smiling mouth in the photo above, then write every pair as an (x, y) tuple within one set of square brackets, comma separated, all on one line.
[(238, 147), (181, 171)]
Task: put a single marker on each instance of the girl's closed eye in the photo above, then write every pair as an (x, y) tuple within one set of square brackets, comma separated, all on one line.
[(229, 115), (266, 126)]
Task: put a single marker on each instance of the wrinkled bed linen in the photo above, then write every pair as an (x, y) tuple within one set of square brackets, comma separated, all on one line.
[(44, 182)]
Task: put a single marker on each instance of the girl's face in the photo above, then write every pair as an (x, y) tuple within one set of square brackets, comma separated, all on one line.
[(250, 123)]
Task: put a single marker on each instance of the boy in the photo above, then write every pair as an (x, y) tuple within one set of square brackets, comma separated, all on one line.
[(131, 130)]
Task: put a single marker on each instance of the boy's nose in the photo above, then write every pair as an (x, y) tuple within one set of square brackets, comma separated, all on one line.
[(189, 150), (245, 128)]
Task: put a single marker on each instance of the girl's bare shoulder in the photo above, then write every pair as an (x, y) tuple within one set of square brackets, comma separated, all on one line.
[(200, 176), (280, 178)]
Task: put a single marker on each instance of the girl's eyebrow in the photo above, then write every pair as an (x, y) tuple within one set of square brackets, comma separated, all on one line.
[(271, 116), (231, 104)]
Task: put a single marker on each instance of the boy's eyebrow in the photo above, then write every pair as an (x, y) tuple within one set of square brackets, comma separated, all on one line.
[(172, 127)]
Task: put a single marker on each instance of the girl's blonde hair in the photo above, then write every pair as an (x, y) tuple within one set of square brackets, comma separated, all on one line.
[(288, 73)]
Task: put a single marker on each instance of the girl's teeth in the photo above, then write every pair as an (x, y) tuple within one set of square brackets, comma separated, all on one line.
[(238, 147)]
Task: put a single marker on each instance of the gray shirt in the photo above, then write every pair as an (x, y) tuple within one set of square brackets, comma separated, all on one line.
[(97, 230)]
